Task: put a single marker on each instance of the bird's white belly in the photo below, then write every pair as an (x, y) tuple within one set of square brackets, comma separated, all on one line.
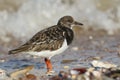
[(49, 53)]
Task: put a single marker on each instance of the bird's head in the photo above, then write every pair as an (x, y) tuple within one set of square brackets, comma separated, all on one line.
[(68, 21)]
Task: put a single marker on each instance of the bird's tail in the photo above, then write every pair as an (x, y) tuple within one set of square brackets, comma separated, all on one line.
[(18, 50), (14, 51)]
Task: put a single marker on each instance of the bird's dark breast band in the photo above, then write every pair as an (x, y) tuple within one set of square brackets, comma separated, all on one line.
[(69, 35)]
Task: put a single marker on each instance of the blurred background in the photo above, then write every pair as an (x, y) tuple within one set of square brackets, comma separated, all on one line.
[(21, 19)]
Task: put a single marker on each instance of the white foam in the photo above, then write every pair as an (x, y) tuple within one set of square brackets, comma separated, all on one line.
[(34, 15)]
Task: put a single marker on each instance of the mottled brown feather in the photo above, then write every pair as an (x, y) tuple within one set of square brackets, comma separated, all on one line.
[(47, 39)]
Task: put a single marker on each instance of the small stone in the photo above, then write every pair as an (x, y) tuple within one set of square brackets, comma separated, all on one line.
[(31, 77), (55, 78), (63, 74), (97, 75), (75, 48), (90, 37), (2, 74), (66, 67), (68, 61), (74, 72), (96, 63), (80, 70), (91, 69), (82, 77), (19, 73), (2, 60), (96, 58)]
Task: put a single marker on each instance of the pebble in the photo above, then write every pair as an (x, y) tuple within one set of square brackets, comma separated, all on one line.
[(31, 77), (20, 73), (75, 48), (97, 63), (68, 61), (90, 37), (2, 74), (66, 67)]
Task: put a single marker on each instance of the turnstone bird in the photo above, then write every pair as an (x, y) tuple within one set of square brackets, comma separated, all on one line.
[(50, 41)]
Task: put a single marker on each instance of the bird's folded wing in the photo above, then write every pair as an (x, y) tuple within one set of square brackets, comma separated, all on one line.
[(47, 39)]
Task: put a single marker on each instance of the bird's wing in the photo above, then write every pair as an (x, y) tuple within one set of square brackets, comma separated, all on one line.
[(48, 39)]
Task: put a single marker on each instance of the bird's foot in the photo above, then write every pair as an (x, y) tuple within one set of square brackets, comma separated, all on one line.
[(50, 73)]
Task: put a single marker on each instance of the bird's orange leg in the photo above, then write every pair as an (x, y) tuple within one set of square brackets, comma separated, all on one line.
[(48, 65)]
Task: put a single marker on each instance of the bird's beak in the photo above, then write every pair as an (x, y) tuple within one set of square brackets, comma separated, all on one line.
[(77, 23)]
